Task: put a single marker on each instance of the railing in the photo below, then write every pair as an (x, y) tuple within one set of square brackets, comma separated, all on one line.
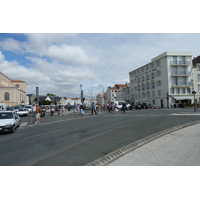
[(180, 83), (180, 73), (180, 62)]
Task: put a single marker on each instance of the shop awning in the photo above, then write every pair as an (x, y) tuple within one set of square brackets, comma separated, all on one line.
[(183, 97)]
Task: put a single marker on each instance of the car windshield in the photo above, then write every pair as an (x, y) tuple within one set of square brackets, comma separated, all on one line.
[(22, 109), (6, 115)]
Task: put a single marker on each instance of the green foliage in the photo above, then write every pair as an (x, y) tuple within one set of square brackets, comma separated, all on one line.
[(51, 94)]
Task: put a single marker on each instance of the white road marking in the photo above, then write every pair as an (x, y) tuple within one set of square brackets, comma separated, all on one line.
[(23, 124)]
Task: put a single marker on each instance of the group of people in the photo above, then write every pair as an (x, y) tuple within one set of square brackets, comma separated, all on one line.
[(113, 108), (79, 108)]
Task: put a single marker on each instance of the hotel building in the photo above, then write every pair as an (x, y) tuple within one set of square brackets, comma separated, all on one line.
[(167, 81)]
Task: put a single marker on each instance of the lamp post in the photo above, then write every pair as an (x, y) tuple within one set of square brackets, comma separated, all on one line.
[(193, 92), (81, 94)]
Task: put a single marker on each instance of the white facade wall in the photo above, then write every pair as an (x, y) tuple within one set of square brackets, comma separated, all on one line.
[(120, 95), (168, 73)]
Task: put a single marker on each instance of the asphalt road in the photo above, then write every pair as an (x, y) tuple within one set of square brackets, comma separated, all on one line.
[(72, 140)]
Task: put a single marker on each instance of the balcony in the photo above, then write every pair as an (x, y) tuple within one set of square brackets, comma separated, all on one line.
[(180, 83), (180, 73), (180, 62)]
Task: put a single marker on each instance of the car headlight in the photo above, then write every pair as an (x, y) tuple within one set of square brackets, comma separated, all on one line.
[(8, 125)]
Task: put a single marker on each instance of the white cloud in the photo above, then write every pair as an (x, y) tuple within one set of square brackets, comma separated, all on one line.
[(10, 44)]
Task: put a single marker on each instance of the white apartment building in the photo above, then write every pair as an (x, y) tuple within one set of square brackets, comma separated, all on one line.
[(167, 81), (111, 92)]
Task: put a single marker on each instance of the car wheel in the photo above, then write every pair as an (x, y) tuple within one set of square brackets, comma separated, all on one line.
[(13, 129)]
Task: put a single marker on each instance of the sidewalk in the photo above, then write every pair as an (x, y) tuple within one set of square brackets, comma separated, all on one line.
[(179, 148)]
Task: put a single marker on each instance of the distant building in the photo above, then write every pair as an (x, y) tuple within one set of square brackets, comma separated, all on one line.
[(111, 93), (12, 92), (167, 81), (100, 98)]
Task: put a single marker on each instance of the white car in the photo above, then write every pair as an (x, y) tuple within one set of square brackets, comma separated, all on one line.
[(9, 121), (120, 103), (23, 112)]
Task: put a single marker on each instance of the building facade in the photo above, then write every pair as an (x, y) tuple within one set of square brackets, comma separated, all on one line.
[(111, 93), (167, 81), (12, 92)]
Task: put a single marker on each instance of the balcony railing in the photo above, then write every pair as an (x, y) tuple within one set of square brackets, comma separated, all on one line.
[(181, 83), (181, 73), (180, 62)]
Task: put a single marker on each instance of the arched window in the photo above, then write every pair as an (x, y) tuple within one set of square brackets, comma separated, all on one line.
[(6, 96)]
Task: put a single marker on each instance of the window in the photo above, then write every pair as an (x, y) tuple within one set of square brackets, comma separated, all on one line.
[(159, 92), (158, 83), (153, 93), (158, 73), (152, 75), (172, 91), (177, 90), (198, 88), (198, 77), (188, 90), (183, 90), (6, 96)]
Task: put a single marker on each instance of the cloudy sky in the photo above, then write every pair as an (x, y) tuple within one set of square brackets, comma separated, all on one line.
[(61, 59)]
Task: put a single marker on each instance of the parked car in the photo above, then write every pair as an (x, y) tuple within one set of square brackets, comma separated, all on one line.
[(29, 108), (23, 112), (9, 121), (120, 103), (16, 108)]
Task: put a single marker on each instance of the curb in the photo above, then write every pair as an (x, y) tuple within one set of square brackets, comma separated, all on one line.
[(122, 151)]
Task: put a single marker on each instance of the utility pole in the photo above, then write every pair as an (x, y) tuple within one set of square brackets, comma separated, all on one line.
[(37, 95), (81, 94)]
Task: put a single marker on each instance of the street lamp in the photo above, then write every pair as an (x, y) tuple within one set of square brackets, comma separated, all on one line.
[(193, 92), (81, 94)]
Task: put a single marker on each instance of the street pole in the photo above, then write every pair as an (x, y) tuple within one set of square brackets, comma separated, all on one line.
[(37, 95), (167, 100), (193, 92), (81, 94)]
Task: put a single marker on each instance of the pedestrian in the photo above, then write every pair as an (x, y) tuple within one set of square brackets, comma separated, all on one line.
[(38, 111), (52, 111), (124, 107), (93, 109), (112, 107), (78, 108), (108, 106), (63, 110), (116, 109), (75, 111), (33, 113), (82, 110), (69, 106), (98, 108)]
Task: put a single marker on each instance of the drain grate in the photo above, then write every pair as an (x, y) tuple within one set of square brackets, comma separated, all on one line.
[(116, 154)]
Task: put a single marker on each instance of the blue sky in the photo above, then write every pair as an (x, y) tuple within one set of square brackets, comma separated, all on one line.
[(96, 45), (59, 63)]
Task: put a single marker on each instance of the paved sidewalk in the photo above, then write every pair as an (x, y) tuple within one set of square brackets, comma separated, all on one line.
[(179, 148)]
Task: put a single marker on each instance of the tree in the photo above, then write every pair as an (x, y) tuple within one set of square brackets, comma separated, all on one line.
[(51, 94)]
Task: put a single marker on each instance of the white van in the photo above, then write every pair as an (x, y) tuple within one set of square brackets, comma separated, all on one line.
[(120, 103), (3, 106)]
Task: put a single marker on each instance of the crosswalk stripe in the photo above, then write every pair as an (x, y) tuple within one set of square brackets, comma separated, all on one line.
[(23, 124)]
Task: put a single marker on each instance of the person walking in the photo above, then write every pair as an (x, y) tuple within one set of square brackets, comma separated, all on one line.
[(93, 109), (82, 110), (38, 111), (116, 109), (52, 111), (62, 110), (108, 106), (124, 107), (75, 110)]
